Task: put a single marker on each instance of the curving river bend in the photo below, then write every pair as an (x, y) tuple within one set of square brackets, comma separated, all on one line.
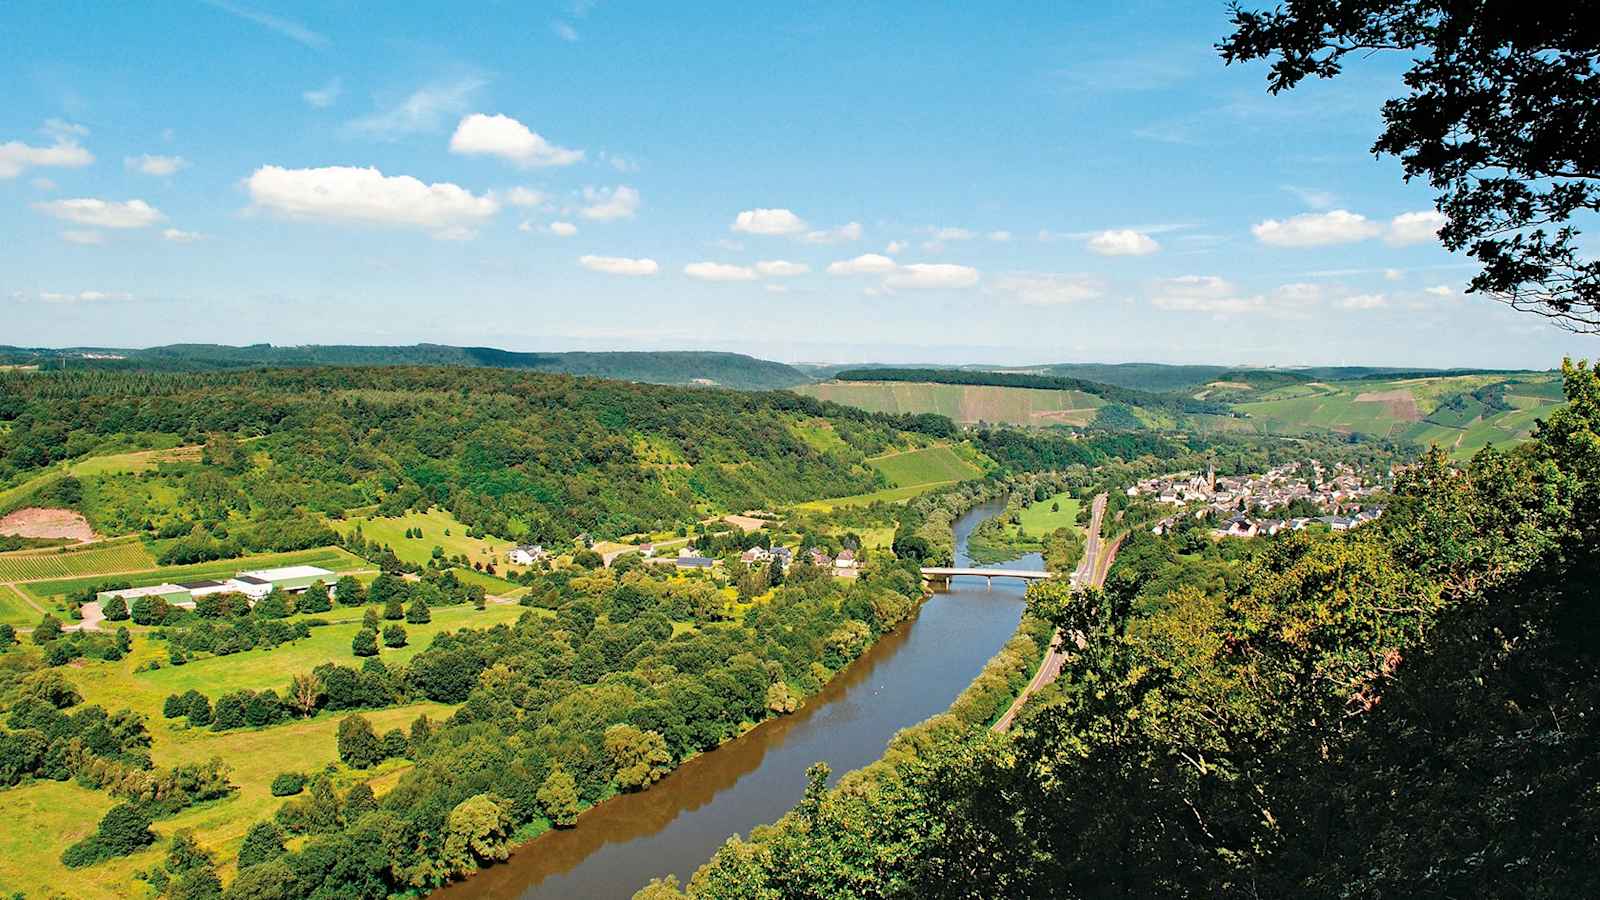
[(910, 674)]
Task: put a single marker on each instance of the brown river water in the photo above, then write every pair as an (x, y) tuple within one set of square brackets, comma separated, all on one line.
[(910, 674)]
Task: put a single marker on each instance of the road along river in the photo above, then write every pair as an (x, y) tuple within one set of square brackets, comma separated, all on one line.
[(911, 673)]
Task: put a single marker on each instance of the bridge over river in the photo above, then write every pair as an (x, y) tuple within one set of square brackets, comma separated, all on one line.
[(945, 573)]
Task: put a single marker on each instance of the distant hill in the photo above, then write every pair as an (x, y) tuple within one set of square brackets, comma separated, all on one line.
[(732, 370), (1109, 393)]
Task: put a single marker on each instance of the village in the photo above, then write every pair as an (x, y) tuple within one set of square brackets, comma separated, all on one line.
[(1289, 497)]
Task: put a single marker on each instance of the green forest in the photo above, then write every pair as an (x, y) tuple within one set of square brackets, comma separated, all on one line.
[(1406, 709)]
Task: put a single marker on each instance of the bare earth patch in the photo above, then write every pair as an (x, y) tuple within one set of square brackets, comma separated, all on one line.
[(38, 522), (1234, 385), (1400, 403)]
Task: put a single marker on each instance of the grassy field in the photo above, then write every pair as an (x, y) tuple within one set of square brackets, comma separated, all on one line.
[(44, 818), (335, 559), (136, 461), (115, 685), (962, 403), (932, 465), (38, 565), (888, 495), (1039, 520), (15, 610), (434, 523)]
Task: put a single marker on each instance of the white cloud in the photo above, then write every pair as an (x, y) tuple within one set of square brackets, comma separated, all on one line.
[(563, 229), (564, 31), (1049, 288), (850, 231), (952, 234), (895, 248), (621, 202), (505, 137), (1364, 301), (289, 28), (1314, 197), (1414, 228), (768, 221), (423, 110), (455, 233), (713, 271), (932, 275), (1337, 226), (84, 296), (102, 213), (64, 131), (619, 162), (155, 165), (1393, 274), (1202, 293), (1439, 290), (43, 184), (779, 268), (181, 237), (999, 236), (350, 194), (87, 236), (521, 196), (325, 96), (1123, 242), (865, 264), (618, 265), (17, 157)]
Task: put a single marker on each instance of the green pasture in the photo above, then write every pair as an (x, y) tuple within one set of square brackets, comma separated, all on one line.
[(931, 465), (961, 402), (1038, 520), (434, 523)]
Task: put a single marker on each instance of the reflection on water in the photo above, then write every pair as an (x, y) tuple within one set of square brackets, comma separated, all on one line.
[(910, 674)]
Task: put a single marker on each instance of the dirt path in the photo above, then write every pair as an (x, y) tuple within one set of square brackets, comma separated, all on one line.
[(1091, 572)]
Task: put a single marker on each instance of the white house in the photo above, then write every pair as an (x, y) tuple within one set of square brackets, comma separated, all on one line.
[(845, 560), (526, 554)]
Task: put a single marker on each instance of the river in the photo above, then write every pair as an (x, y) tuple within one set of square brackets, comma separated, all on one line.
[(910, 674)]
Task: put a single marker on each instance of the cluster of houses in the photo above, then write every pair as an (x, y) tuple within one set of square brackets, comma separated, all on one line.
[(1236, 502), (844, 562), (255, 585)]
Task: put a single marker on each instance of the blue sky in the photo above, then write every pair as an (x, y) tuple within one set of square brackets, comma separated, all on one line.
[(906, 182)]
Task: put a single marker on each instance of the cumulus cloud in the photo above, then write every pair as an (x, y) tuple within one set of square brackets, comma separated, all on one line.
[(86, 236), (1123, 242), (865, 264), (17, 157), (1439, 290), (155, 165), (895, 248), (1337, 226), (1414, 228), (932, 275), (619, 162), (714, 271), (423, 110), (1364, 301), (178, 236), (621, 202), (563, 229), (323, 97), (102, 213), (768, 221), (505, 137), (850, 231), (521, 196), (1315, 198), (618, 265), (999, 236), (350, 194), (1048, 288), (780, 268)]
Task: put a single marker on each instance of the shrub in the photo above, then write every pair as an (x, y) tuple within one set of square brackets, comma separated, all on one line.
[(124, 829), (394, 610), (358, 744), (365, 643), (115, 609), (287, 784), (418, 613), (262, 843), (394, 636)]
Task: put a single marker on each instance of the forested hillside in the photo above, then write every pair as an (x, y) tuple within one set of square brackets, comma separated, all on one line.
[(517, 455), (1406, 709), (733, 370)]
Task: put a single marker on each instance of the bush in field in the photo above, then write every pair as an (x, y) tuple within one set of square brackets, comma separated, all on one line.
[(358, 744), (48, 629), (394, 636), (349, 592), (314, 600), (124, 829), (418, 613), (115, 609), (365, 643), (287, 784), (263, 842)]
